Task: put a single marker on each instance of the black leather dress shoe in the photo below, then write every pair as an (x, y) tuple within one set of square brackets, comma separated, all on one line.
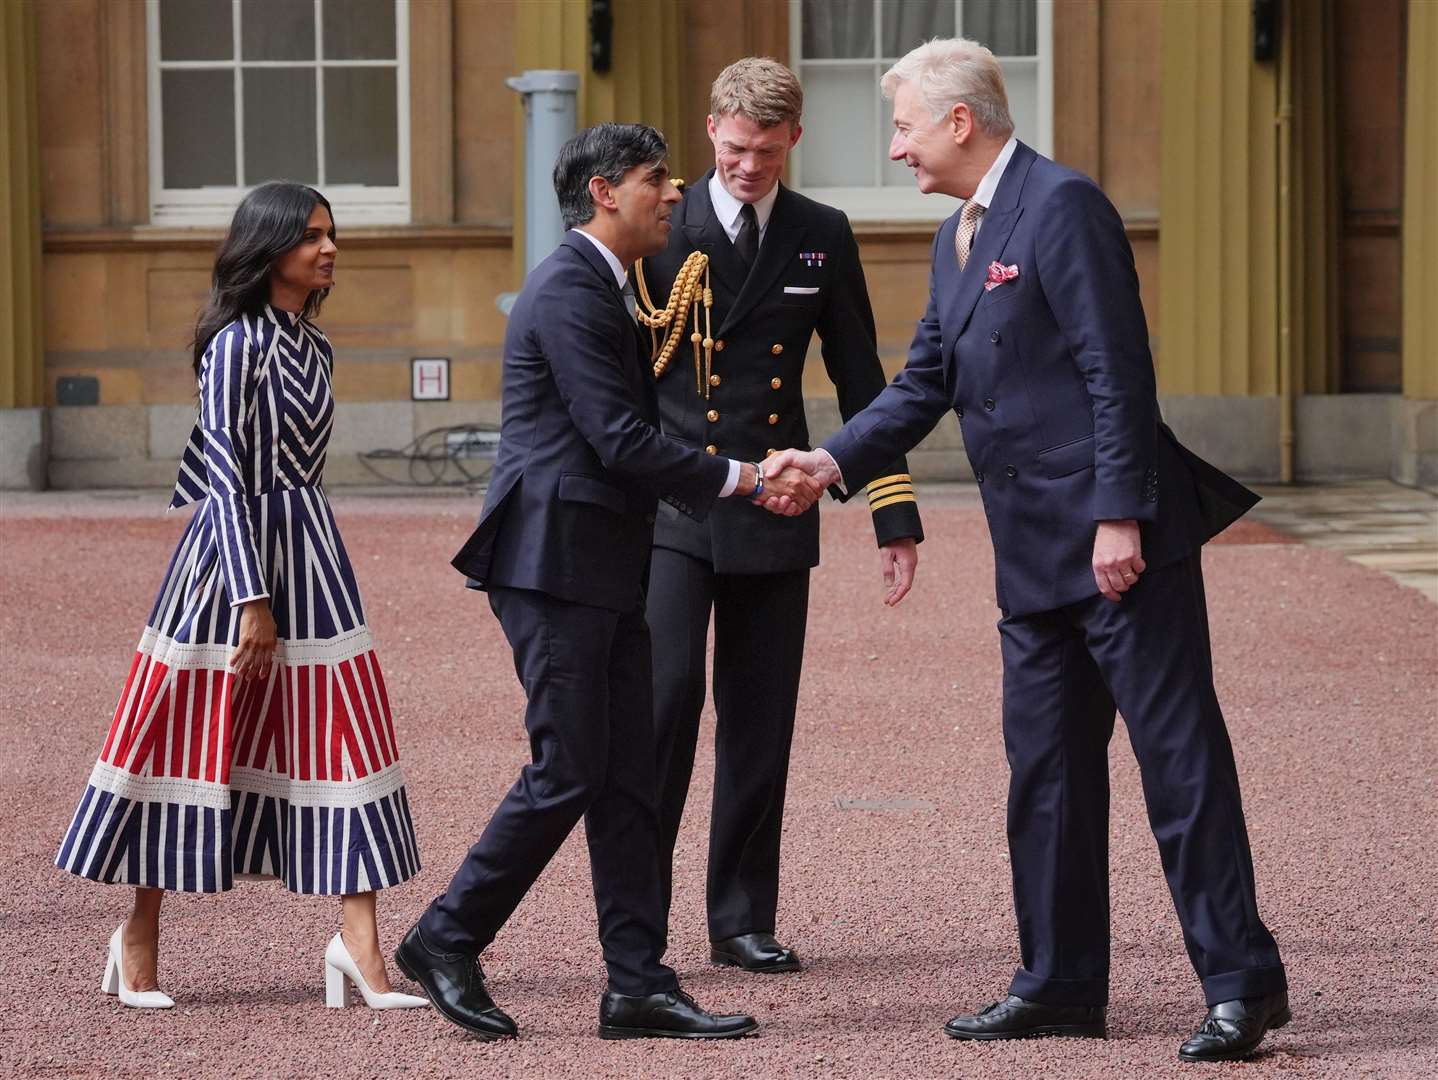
[(1233, 1029), (754, 952), (671, 1015), (454, 983), (1015, 1018)]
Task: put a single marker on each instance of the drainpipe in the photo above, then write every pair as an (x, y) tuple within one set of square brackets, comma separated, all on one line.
[(551, 111)]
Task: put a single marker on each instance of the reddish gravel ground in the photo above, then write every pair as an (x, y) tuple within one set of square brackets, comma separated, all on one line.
[(1326, 670)]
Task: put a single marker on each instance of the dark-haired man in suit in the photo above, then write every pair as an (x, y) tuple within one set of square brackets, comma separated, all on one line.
[(1035, 337), (561, 547), (781, 267)]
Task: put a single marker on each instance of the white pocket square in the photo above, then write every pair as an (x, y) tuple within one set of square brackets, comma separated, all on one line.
[(797, 290)]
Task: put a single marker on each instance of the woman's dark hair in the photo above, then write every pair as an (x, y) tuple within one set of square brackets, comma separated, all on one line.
[(607, 150), (269, 222)]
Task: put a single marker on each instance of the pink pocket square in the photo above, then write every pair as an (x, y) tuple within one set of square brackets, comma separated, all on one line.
[(998, 274)]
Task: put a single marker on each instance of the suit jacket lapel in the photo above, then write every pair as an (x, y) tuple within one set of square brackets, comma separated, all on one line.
[(634, 366), (704, 233), (999, 221), (782, 238)]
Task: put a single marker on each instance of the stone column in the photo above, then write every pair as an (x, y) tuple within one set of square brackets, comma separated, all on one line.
[(23, 427)]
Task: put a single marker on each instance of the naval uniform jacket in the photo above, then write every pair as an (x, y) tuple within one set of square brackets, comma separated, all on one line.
[(807, 277), (1050, 375)]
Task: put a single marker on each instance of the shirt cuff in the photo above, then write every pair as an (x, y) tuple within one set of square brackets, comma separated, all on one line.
[(733, 481), (839, 483)]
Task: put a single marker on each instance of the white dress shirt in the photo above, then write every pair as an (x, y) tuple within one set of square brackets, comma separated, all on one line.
[(622, 280), (989, 185), (727, 208)]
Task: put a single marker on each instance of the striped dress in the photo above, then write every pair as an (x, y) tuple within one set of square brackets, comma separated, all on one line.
[(204, 778)]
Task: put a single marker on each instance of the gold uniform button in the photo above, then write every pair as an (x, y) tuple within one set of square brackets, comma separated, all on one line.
[(719, 345), (773, 418), (714, 380), (776, 383), (713, 415), (770, 452), (777, 350), (711, 449)]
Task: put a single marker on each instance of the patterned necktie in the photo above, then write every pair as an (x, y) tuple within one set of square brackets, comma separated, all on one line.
[(630, 303), (746, 244), (964, 234)]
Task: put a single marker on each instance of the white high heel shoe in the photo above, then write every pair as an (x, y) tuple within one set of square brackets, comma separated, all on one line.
[(114, 981), (342, 975)]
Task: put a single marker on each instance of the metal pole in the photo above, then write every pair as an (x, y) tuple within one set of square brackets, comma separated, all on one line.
[(551, 113)]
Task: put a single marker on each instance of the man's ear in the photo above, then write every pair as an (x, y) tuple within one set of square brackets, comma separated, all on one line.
[(961, 123), (602, 194)]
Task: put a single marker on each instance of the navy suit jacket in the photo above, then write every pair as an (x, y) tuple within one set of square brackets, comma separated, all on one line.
[(1052, 381), (582, 463)]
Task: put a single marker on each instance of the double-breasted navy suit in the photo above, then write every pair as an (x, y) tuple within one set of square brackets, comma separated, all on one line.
[(749, 567), (561, 547), (1050, 376)]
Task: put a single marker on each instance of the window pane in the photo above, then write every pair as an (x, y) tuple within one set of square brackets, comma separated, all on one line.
[(838, 28), (359, 29), (198, 108), (280, 125), (907, 23), (361, 127), (841, 106), (1008, 27), (277, 29), (196, 30), (1022, 81)]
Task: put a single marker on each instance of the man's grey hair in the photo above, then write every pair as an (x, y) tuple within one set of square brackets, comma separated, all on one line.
[(946, 71)]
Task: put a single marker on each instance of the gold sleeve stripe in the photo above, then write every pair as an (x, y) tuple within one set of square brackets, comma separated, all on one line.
[(891, 500), (894, 478), (890, 491), (887, 482), (879, 491)]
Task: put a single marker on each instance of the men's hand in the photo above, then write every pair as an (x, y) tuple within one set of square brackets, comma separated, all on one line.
[(816, 464), (820, 466), (790, 492), (1117, 557), (898, 560)]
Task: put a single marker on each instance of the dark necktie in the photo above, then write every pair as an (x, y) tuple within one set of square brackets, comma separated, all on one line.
[(746, 244)]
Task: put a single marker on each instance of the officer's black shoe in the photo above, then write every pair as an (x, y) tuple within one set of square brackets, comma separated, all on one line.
[(1015, 1018), (671, 1015), (1233, 1029), (754, 952), (454, 983)]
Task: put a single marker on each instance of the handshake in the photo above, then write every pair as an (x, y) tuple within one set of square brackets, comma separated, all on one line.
[(793, 480)]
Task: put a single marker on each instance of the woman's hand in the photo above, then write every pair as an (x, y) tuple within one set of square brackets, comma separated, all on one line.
[(256, 650)]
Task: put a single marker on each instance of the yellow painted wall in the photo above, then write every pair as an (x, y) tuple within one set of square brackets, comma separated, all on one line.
[(1420, 207), (1218, 259), (21, 350)]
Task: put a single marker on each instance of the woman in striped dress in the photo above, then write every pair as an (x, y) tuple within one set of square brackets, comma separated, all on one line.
[(253, 736)]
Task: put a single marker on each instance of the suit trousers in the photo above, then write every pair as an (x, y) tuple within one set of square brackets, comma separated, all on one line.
[(1064, 672), (586, 673), (759, 624)]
